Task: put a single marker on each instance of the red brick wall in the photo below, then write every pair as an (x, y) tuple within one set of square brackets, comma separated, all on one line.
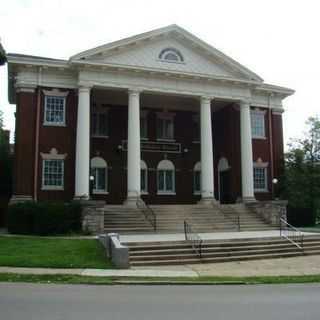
[(24, 144), (226, 136)]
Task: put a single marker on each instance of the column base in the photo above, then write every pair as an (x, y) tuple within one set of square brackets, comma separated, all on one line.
[(132, 201), (15, 198), (81, 198), (208, 201), (249, 199)]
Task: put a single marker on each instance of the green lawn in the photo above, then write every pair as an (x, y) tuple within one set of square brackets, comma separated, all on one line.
[(52, 253)]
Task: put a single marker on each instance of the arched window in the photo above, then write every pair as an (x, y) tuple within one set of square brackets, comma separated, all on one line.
[(144, 177), (171, 55), (166, 177), (99, 171), (197, 178)]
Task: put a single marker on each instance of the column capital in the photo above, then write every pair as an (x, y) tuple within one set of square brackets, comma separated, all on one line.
[(206, 99), (134, 91), (245, 103), (84, 88)]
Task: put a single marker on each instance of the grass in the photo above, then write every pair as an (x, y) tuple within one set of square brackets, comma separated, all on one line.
[(41, 252), (76, 279)]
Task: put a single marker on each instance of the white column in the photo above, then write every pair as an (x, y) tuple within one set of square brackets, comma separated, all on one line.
[(133, 174), (83, 144), (207, 179), (246, 152)]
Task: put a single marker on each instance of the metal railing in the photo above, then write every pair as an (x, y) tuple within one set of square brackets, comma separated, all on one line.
[(292, 234), (148, 213), (194, 238)]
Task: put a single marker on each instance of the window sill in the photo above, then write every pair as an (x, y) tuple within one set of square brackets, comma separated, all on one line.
[(196, 141), (165, 140), (197, 193), (159, 193), (52, 124), (97, 136), (144, 139), (99, 192), (259, 138), (261, 191), (44, 188), (144, 193)]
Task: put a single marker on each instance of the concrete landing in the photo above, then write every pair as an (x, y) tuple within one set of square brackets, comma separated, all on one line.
[(204, 236)]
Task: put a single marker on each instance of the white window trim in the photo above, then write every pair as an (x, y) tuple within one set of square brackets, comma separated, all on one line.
[(52, 188), (100, 163), (259, 113), (166, 165), (54, 93), (262, 165)]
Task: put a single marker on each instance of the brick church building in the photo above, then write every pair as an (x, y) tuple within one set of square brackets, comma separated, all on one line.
[(161, 116)]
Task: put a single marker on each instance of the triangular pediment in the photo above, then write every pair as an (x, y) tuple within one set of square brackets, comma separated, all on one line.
[(149, 51)]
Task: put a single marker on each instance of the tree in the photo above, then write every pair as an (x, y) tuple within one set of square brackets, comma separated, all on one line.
[(301, 183)]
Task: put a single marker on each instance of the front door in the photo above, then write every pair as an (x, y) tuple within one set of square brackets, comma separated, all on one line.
[(224, 187)]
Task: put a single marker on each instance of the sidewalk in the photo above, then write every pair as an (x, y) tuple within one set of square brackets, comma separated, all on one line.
[(307, 265)]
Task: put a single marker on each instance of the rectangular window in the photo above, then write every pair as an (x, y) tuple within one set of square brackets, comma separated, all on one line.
[(143, 127), (260, 179), (100, 179), (99, 124), (196, 182), (165, 128), (53, 174), (54, 113), (166, 181), (258, 124)]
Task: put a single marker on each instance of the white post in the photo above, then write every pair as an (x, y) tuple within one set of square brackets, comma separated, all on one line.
[(207, 179), (133, 174), (83, 145), (246, 152)]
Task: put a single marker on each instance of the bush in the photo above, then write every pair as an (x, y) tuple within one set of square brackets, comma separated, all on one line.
[(300, 217), (46, 218)]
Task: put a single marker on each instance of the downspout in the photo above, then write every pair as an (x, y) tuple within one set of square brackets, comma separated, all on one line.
[(271, 144), (36, 149)]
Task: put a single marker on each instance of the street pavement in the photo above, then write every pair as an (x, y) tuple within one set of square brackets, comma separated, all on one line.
[(79, 302)]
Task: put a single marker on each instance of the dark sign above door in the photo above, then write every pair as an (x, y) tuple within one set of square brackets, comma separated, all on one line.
[(156, 146)]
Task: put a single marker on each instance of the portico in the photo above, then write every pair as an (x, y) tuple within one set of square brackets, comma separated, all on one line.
[(148, 117)]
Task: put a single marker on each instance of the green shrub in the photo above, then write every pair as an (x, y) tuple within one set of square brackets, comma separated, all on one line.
[(46, 218), (21, 217)]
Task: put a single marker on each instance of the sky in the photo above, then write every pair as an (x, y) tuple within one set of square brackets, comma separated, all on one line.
[(277, 39)]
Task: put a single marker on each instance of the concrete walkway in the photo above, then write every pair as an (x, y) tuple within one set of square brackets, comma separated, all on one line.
[(204, 236), (307, 265)]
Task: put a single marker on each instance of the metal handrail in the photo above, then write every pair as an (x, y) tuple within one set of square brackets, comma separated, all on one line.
[(148, 213), (194, 238), (292, 234)]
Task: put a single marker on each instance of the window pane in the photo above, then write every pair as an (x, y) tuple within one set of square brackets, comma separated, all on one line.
[(257, 125), (168, 123), (169, 180), (54, 109), (101, 183), (259, 175), (53, 173), (94, 128), (161, 180)]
